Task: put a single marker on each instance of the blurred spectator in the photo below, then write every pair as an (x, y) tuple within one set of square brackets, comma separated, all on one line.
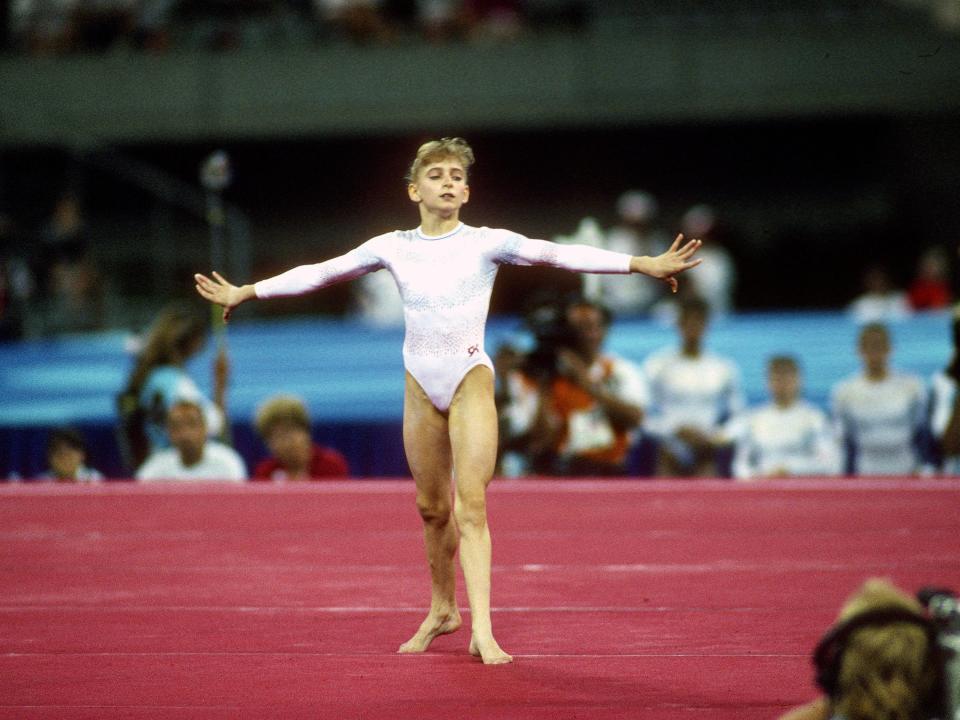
[(517, 397), (68, 277), (284, 425), (787, 437), (193, 456), (716, 278), (151, 29), (377, 300), (494, 19), (877, 662), (880, 301), (62, 26), (694, 393), (577, 417), (636, 234), (880, 413), (930, 289), (159, 379), (442, 19), (361, 21), (67, 458), (945, 408), (44, 26), (16, 285)]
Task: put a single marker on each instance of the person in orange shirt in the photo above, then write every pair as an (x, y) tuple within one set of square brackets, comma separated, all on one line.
[(589, 407)]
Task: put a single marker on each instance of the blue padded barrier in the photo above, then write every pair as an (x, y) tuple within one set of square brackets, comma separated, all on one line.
[(350, 376)]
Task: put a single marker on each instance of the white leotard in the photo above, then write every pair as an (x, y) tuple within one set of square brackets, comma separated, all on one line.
[(445, 284)]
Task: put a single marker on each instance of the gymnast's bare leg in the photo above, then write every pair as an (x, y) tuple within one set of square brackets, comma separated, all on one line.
[(466, 439), (473, 439), (426, 440)]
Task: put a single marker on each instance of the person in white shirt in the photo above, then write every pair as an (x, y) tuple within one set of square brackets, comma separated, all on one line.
[(445, 270), (637, 233), (67, 458), (694, 392), (880, 413), (880, 301), (786, 437), (193, 456)]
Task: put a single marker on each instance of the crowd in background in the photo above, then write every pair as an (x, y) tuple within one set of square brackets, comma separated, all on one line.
[(567, 406), (42, 27), (571, 408)]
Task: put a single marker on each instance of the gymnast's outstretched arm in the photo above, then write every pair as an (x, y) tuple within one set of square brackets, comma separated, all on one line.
[(583, 258), (299, 280)]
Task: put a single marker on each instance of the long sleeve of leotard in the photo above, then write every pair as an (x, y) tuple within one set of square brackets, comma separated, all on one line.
[(520, 250), (307, 278)]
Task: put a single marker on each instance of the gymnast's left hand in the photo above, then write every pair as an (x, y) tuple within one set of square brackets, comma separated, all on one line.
[(674, 261), (218, 290)]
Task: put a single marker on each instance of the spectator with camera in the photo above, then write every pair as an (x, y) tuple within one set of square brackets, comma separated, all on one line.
[(573, 408), (882, 660)]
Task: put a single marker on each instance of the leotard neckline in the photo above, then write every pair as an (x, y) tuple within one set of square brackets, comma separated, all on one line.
[(422, 236)]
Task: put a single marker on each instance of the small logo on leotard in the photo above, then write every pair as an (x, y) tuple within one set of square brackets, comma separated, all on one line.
[(473, 350)]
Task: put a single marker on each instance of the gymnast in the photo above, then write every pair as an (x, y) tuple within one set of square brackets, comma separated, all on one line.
[(445, 270)]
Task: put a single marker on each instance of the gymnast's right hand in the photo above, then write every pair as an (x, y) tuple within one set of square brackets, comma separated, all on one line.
[(221, 292)]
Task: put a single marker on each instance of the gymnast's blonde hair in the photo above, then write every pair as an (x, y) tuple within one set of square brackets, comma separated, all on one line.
[(887, 671), (441, 149)]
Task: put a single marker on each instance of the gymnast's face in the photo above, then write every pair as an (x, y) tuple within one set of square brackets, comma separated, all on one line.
[(441, 187)]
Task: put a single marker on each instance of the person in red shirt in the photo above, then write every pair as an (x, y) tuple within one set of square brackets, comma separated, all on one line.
[(930, 289), (284, 425)]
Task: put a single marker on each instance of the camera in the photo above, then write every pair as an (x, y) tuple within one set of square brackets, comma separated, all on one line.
[(944, 613), (547, 322)]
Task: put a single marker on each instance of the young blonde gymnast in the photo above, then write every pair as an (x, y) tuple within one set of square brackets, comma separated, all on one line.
[(445, 270)]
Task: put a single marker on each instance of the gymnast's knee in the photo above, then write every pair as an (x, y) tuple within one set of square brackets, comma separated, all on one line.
[(433, 510), (471, 512)]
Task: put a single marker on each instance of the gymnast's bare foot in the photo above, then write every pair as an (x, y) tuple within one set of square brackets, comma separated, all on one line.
[(436, 623), (488, 651)]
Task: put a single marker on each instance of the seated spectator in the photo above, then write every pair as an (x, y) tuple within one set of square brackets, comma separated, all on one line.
[(880, 413), (930, 289), (67, 458), (945, 408), (694, 392), (192, 455), (159, 378), (880, 301), (788, 436), (877, 662), (579, 416), (284, 425)]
